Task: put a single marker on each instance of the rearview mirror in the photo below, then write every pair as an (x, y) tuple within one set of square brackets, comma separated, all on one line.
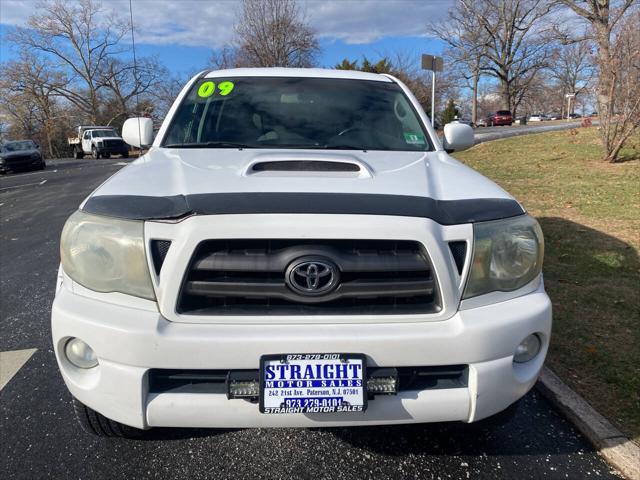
[(138, 132), (457, 137)]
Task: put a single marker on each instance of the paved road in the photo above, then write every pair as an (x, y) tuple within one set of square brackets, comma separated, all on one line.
[(485, 134), (40, 439)]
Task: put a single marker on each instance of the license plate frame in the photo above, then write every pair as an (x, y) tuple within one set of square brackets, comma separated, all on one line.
[(302, 357)]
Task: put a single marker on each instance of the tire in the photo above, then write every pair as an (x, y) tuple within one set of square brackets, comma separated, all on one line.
[(96, 424), (94, 153), (78, 154), (106, 155), (125, 155), (43, 165)]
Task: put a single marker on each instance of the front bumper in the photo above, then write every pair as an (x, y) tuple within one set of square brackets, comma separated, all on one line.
[(112, 150), (130, 341), (25, 163)]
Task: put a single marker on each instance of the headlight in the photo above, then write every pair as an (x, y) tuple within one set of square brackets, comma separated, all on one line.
[(35, 156), (106, 254), (507, 254)]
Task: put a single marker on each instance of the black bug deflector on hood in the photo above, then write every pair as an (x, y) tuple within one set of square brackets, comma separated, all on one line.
[(444, 212)]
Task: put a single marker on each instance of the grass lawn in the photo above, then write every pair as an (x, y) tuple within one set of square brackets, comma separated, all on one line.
[(590, 214)]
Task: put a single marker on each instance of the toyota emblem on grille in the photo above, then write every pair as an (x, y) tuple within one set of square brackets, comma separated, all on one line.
[(312, 276)]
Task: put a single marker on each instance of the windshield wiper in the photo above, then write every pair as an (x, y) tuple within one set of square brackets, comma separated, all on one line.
[(339, 146), (313, 146), (216, 144)]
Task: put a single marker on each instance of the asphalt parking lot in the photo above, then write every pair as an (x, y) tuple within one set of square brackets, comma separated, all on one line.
[(41, 439)]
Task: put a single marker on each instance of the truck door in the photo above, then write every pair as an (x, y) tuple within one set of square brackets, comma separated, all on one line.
[(86, 141)]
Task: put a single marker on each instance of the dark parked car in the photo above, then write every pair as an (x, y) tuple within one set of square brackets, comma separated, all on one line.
[(501, 117), (20, 155)]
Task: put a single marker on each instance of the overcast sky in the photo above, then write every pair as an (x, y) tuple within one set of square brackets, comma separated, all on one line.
[(184, 32)]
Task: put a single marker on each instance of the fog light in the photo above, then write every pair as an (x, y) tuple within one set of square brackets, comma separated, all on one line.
[(80, 354), (383, 381), (527, 349), (243, 384)]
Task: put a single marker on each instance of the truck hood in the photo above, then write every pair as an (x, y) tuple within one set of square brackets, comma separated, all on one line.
[(17, 154), (168, 172), (194, 173)]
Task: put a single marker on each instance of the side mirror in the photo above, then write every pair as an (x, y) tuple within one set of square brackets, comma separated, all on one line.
[(457, 137), (138, 132)]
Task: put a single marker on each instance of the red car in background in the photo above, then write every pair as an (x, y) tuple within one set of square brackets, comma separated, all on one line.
[(501, 117)]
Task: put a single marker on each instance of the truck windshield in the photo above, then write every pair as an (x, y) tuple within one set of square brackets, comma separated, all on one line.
[(103, 133), (310, 113)]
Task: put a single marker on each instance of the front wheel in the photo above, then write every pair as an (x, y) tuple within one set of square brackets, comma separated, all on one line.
[(94, 153), (125, 155), (97, 424), (43, 165)]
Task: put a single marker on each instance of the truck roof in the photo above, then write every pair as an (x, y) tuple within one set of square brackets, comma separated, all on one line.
[(94, 127), (297, 72)]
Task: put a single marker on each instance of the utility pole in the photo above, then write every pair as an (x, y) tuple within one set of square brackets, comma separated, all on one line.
[(435, 64)]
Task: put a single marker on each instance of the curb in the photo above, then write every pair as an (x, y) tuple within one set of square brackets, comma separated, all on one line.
[(617, 449)]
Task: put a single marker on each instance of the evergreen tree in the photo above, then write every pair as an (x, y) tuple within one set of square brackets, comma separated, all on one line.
[(450, 113)]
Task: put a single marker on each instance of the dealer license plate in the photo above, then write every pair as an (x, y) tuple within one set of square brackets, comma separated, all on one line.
[(312, 383)]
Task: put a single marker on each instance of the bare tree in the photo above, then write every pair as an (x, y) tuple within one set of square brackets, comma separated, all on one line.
[(126, 82), (541, 96), (515, 47), (81, 39), (274, 33), (30, 83), (614, 29), (466, 40), (22, 112), (571, 69), (227, 57)]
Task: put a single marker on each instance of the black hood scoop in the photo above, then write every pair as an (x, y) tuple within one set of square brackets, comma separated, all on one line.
[(304, 166)]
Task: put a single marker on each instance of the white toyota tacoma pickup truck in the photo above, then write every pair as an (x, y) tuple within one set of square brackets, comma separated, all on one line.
[(297, 249)]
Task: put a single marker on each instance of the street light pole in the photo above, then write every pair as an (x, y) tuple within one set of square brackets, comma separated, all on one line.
[(435, 64), (569, 97), (433, 95)]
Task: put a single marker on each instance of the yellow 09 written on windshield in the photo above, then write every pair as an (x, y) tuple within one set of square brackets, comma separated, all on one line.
[(209, 88)]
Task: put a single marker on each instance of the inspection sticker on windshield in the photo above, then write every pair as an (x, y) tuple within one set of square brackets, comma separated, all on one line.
[(414, 138), (312, 383)]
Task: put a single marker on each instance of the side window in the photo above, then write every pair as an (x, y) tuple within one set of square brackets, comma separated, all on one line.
[(86, 135)]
